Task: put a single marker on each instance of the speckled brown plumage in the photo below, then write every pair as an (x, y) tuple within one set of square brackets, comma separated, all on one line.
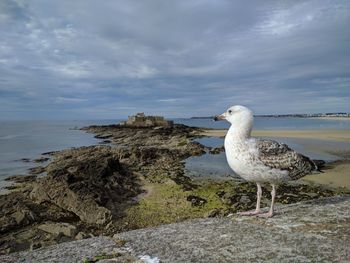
[(280, 156)]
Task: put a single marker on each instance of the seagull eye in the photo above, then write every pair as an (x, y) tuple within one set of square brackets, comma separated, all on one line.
[(230, 111)]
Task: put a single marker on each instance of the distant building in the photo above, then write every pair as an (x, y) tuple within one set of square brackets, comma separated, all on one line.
[(141, 120)]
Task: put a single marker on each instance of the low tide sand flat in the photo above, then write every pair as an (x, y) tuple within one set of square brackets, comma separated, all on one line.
[(337, 176), (333, 118), (331, 135)]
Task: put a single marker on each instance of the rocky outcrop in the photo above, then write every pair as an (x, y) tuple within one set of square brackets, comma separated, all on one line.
[(174, 137), (87, 187), (312, 231), (18, 219), (41, 160), (59, 229), (84, 181)]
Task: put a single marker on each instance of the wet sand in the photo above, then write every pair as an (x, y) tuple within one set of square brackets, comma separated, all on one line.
[(337, 176), (333, 118), (337, 173), (329, 135)]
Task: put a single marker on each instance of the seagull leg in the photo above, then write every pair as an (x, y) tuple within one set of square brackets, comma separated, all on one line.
[(271, 211), (257, 209)]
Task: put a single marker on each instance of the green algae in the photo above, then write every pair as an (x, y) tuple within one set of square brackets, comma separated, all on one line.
[(166, 201)]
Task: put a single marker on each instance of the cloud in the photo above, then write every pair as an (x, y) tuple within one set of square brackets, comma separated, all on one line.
[(88, 59), (69, 100)]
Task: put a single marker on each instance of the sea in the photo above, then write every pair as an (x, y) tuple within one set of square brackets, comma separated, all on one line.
[(21, 140)]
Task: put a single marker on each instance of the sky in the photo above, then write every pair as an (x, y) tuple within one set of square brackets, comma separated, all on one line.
[(87, 59)]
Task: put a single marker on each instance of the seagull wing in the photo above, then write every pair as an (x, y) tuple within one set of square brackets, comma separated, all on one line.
[(280, 156)]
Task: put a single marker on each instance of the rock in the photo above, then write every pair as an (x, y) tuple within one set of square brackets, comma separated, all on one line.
[(50, 153), (86, 181), (14, 214), (118, 241), (291, 195), (312, 195), (36, 170), (12, 187), (81, 235), (220, 193), (41, 160), (214, 213), (34, 245), (25, 160), (217, 150), (21, 178), (97, 249), (23, 215), (59, 228), (19, 216), (228, 200), (105, 142), (103, 136), (323, 238), (245, 199), (196, 200), (86, 208)]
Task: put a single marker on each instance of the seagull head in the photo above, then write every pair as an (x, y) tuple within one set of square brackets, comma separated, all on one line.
[(237, 115)]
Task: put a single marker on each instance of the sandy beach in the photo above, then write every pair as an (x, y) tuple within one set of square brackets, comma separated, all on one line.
[(330, 135), (337, 173), (337, 176), (333, 118)]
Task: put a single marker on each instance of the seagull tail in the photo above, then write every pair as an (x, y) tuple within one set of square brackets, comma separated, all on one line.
[(319, 164)]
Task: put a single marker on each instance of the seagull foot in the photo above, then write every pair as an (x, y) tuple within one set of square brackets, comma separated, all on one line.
[(250, 213), (266, 215)]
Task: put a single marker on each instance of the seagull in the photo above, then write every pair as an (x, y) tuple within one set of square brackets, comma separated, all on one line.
[(260, 161)]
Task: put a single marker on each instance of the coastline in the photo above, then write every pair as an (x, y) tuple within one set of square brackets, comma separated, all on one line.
[(105, 189)]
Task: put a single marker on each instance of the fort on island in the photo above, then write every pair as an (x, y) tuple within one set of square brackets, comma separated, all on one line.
[(141, 120)]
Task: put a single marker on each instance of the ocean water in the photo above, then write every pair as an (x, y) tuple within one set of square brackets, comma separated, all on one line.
[(29, 139)]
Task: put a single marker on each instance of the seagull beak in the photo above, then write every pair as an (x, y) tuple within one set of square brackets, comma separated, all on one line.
[(220, 117)]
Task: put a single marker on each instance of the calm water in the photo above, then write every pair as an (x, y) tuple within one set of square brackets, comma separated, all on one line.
[(28, 139)]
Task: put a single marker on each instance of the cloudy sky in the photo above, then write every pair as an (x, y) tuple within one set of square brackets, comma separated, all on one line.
[(87, 59)]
